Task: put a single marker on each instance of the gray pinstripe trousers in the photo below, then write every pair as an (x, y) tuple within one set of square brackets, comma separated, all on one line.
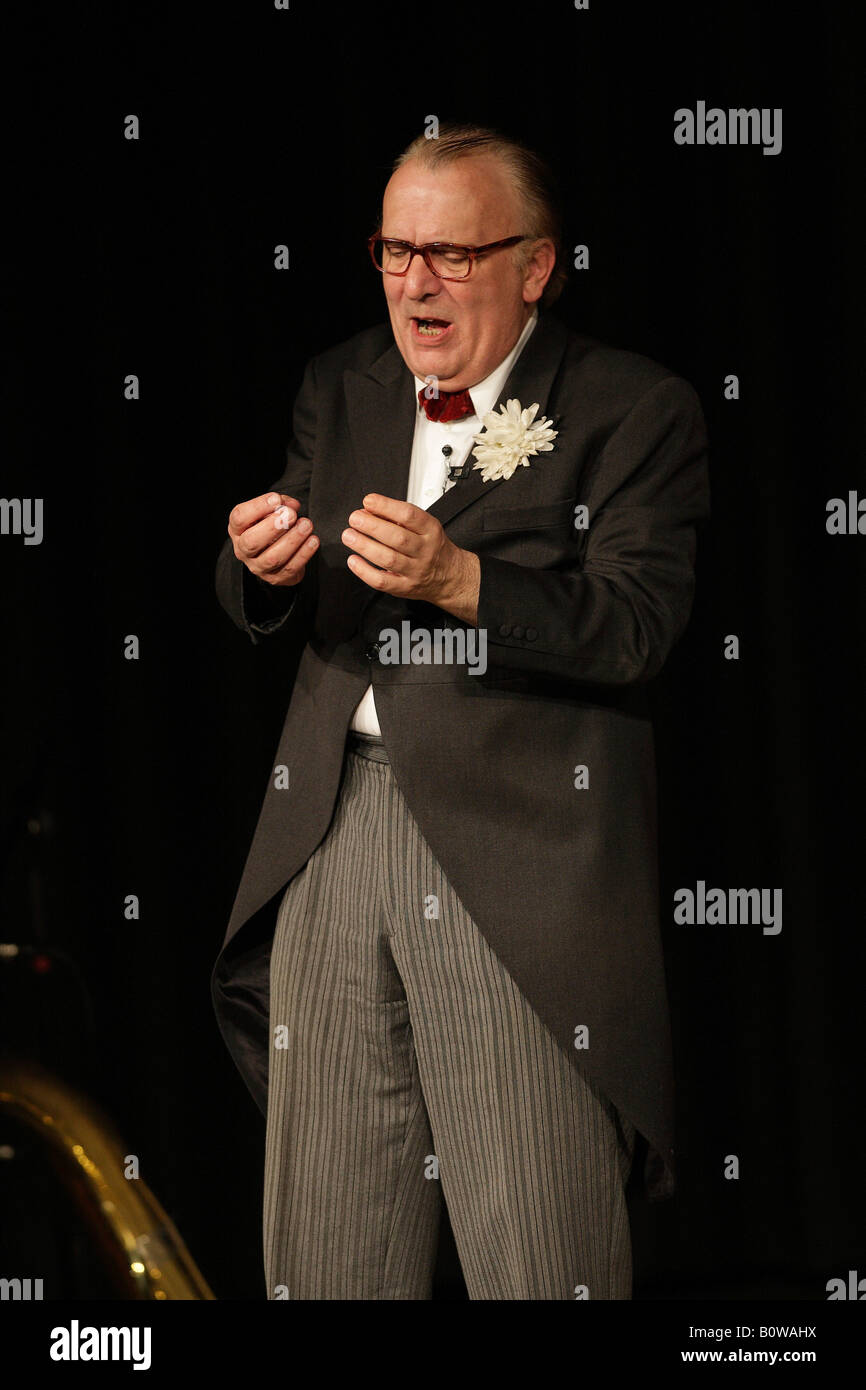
[(406, 1067)]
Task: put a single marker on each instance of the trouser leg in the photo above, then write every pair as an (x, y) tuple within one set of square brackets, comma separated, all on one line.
[(348, 1212), (533, 1158)]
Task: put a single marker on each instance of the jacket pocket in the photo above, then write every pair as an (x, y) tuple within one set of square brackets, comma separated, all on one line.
[(529, 518)]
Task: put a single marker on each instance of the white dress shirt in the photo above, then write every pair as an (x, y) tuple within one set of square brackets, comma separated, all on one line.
[(429, 468)]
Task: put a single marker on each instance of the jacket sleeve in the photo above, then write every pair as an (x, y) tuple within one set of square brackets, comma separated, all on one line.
[(613, 617), (258, 608)]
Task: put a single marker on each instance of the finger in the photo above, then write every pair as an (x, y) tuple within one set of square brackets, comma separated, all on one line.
[(387, 533), (285, 558), (392, 509), (246, 514), (377, 554), (277, 524), (273, 556), (377, 579)]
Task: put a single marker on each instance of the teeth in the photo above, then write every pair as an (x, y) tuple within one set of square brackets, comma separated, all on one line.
[(428, 330)]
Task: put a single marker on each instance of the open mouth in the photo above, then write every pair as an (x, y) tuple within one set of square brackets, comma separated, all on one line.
[(430, 329)]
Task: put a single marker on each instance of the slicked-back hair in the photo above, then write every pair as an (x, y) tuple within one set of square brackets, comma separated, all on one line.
[(533, 179)]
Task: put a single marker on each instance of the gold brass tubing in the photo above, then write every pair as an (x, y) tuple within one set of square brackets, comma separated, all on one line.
[(142, 1242)]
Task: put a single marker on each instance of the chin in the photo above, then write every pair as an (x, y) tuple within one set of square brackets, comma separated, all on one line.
[(428, 364)]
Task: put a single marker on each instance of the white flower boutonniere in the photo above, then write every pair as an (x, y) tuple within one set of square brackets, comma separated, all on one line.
[(508, 440)]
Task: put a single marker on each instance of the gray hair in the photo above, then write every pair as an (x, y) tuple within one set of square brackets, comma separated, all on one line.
[(533, 179)]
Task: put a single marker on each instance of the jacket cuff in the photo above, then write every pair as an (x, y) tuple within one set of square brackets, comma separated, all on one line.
[(508, 609), (266, 607), (571, 626)]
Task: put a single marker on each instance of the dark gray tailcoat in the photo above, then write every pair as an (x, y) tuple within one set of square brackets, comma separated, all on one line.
[(561, 880)]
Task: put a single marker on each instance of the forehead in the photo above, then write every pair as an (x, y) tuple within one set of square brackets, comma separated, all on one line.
[(472, 199)]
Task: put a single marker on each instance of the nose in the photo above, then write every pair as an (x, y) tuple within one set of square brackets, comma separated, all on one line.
[(419, 279)]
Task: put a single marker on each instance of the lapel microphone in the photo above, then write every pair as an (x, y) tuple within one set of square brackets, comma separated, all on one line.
[(455, 470)]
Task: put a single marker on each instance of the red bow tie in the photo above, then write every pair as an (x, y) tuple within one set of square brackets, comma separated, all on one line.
[(450, 405)]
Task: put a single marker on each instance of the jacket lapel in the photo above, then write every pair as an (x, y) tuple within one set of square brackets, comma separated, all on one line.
[(382, 407), (530, 380)]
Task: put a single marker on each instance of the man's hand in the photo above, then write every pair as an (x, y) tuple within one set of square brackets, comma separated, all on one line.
[(414, 556), (270, 540)]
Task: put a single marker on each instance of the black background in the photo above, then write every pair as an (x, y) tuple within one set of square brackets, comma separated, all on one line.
[(155, 257)]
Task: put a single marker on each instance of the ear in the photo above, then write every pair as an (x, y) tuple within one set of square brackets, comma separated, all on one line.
[(538, 269)]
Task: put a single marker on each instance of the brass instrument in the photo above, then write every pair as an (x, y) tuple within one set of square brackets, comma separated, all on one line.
[(140, 1245)]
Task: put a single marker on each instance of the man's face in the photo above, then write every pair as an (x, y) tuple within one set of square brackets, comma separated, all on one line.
[(471, 202)]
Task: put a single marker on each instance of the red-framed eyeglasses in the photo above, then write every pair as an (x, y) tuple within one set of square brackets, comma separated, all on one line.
[(446, 259)]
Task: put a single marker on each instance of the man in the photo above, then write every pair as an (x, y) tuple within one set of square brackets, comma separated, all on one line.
[(442, 977)]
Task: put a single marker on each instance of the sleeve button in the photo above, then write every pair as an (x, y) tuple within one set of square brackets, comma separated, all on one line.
[(504, 631), (531, 634)]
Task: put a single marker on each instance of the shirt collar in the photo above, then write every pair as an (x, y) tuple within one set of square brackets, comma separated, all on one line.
[(486, 393)]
